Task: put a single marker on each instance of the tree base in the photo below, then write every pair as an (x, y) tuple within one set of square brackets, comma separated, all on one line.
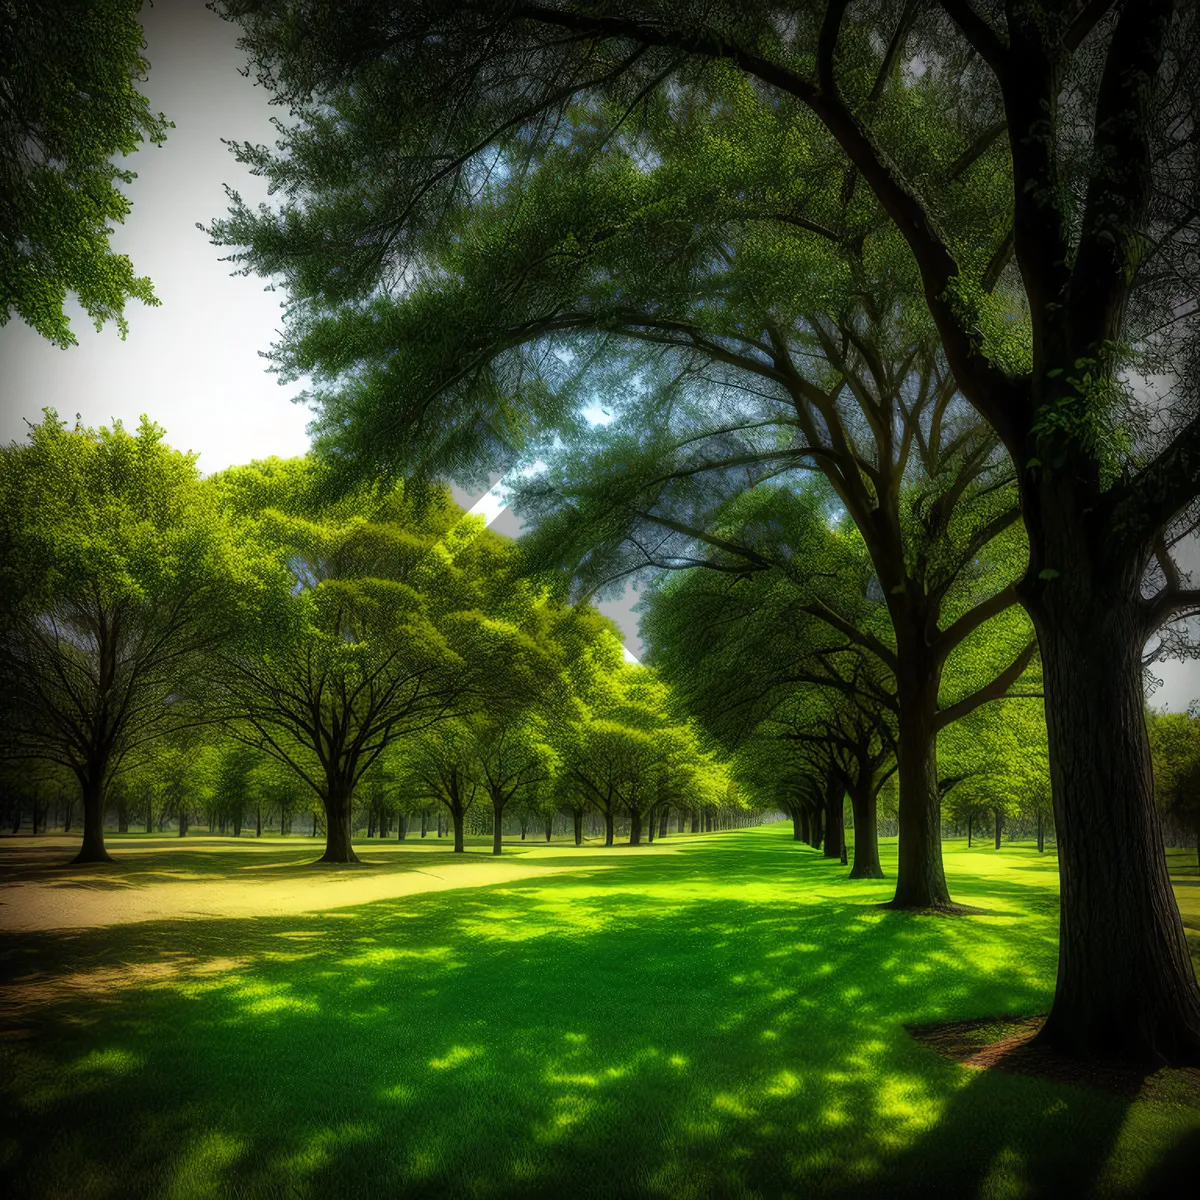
[(86, 856), (949, 909), (327, 860), (866, 873)]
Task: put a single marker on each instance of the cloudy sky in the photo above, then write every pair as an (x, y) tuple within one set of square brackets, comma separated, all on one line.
[(193, 365)]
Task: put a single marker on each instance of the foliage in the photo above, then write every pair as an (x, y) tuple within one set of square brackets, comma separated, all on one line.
[(69, 74)]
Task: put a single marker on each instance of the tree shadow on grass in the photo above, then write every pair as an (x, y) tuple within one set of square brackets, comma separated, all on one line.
[(695, 1026)]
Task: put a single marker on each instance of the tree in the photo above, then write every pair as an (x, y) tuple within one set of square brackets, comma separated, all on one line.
[(119, 578), (374, 631), (69, 73), (1055, 136), (515, 759), (1175, 747)]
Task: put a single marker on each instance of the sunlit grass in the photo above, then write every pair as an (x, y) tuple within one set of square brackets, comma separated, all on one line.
[(713, 1016)]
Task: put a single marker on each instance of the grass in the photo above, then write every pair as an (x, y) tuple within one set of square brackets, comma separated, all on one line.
[(717, 1015)]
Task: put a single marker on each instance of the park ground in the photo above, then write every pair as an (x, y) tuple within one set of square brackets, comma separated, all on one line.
[(715, 1015)]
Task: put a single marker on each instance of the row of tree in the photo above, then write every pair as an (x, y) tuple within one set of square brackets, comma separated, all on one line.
[(940, 256), (177, 644)]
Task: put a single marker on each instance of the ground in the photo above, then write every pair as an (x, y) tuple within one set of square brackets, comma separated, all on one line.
[(712, 1015)]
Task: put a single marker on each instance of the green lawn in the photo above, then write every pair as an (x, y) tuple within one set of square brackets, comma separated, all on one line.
[(717, 1015)]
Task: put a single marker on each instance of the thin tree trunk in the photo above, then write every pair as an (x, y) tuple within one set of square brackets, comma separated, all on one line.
[(863, 800), (549, 827), (968, 832), (817, 817), (1041, 835), (663, 821), (497, 822), (608, 828), (577, 821), (424, 822), (999, 823), (834, 819), (1126, 985), (401, 826), (92, 850), (695, 821)]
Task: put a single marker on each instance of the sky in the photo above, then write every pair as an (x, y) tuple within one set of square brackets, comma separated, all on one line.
[(193, 364)]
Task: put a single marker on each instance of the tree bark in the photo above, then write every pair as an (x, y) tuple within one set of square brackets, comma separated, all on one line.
[(1126, 986), (497, 827), (920, 877), (635, 828), (968, 831), (816, 820), (577, 821), (1041, 835), (338, 834), (863, 800), (608, 829), (999, 825), (834, 819), (401, 826), (695, 821), (92, 850), (258, 820), (549, 827), (458, 816), (663, 821), (799, 825)]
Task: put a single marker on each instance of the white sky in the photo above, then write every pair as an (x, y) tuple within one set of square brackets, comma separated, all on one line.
[(193, 365)]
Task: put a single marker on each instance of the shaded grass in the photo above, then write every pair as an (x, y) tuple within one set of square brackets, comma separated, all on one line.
[(723, 1016)]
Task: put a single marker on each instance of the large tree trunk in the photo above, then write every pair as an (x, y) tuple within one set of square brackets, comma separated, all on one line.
[(635, 828), (401, 826), (920, 878), (866, 834), (458, 817), (92, 850), (1126, 986), (608, 829), (577, 821), (338, 835)]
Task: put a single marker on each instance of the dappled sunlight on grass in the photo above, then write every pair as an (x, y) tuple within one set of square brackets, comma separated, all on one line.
[(722, 1017)]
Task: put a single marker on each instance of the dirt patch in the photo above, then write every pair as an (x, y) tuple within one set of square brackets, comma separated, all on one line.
[(1006, 1044)]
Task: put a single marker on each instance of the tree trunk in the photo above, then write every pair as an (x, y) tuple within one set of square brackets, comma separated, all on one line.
[(92, 850), (662, 823), (695, 821), (920, 878), (800, 824), (1041, 835), (258, 820), (549, 827), (182, 823), (999, 824), (969, 819), (424, 822), (635, 828), (497, 822), (1126, 986), (649, 827), (458, 816), (236, 821), (339, 846), (834, 819), (401, 826), (817, 817), (866, 834), (577, 820), (608, 829)]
